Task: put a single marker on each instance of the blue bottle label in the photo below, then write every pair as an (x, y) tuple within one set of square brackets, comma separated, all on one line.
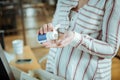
[(42, 38)]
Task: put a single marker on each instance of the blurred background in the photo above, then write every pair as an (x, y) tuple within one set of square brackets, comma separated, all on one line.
[(21, 19)]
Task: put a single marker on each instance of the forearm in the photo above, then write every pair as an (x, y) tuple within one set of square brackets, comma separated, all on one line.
[(93, 46), (107, 45)]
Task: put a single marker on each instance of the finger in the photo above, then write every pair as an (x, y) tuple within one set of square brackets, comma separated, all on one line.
[(58, 42), (50, 27), (38, 32), (63, 45), (51, 46), (48, 43), (66, 40), (41, 30), (45, 28)]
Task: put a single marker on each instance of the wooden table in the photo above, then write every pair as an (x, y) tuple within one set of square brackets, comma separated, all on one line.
[(27, 54), (118, 54)]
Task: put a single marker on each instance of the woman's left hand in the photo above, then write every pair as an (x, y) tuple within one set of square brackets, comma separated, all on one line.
[(67, 38)]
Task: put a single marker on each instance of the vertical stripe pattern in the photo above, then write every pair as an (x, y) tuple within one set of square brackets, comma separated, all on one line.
[(97, 36)]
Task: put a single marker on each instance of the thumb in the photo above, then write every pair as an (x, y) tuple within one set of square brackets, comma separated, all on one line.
[(50, 27)]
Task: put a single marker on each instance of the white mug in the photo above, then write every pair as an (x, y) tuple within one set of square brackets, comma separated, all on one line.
[(17, 46)]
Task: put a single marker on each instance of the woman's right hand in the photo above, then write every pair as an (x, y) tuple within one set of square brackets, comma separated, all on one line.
[(46, 28)]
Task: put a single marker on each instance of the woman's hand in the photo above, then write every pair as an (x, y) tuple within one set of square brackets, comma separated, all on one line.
[(63, 41), (46, 28)]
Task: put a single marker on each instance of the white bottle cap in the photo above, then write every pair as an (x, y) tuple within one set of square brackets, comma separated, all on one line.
[(52, 35)]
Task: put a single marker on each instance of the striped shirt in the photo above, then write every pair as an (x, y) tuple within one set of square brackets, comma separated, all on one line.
[(96, 41)]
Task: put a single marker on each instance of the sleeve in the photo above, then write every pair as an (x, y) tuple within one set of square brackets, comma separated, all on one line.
[(108, 46), (62, 11), (60, 17)]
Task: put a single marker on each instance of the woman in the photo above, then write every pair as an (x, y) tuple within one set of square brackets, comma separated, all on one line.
[(85, 51)]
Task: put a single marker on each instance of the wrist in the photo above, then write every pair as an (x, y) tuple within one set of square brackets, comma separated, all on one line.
[(77, 39)]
